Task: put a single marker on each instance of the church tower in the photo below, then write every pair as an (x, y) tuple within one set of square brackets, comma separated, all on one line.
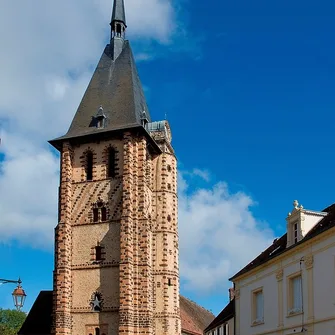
[(116, 242)]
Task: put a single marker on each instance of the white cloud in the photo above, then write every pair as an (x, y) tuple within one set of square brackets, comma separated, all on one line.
[(28, 198), (48, 50), (42, 43), (218, 233)]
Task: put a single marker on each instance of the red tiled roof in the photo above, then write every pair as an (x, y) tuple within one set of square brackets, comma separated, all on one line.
[(194, 318)]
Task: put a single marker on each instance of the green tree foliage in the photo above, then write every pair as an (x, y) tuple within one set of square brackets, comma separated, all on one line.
[(11, 321)]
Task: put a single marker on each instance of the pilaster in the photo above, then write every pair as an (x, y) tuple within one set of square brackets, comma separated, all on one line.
[(279, 277), (63, 243), (309, 262)]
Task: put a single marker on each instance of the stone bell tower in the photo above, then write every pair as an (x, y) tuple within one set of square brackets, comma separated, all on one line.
[(116, 242)]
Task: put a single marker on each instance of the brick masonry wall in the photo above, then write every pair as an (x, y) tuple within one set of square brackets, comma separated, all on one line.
[(165, 245), (138, 277)]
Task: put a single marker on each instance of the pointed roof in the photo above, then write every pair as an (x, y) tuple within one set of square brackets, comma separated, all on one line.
[(118, 11), (116, 88)]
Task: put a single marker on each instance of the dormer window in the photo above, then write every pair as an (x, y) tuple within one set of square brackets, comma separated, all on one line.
[(299, 222), (100, 118), (144, 119)]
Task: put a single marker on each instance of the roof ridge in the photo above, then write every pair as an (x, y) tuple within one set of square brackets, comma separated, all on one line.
[(195, 303)]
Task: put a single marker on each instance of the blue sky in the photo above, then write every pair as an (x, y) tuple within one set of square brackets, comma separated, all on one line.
[(247, 86)]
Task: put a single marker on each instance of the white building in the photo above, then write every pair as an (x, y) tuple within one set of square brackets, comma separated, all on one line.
[(223, 324), (290, 287)]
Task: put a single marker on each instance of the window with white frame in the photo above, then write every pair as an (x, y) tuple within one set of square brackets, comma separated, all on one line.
[(295, 295), (258, 304), (295, 232), (225, 329)]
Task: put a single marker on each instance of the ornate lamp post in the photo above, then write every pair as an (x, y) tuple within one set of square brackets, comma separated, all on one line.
[(19, 296)]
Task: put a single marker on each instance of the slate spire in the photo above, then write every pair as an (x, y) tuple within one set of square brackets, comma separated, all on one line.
[(118, 28), (114, 99)]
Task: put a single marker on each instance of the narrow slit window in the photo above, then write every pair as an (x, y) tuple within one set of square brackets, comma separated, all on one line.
[(295, 230), (111, 163), (89, 166), (95, 214), (103, 214), (169, 282), (98, 253)]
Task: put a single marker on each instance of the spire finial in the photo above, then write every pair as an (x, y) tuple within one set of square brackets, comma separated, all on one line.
[(118, 31), (119, 13)]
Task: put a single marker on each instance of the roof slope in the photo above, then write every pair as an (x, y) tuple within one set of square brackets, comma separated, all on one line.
[(116, 87), (39, 319), (194, 318), (226, 314), (279, 245)]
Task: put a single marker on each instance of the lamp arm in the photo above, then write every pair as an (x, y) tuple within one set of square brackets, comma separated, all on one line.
[(7, 281)]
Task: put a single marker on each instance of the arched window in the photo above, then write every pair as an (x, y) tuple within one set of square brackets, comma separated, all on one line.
[(111, 163), (103, 214), (95, 214), (97, 331), (89, 166), (99, 211)]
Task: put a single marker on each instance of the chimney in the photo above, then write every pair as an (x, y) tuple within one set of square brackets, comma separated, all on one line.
[(231, 294)]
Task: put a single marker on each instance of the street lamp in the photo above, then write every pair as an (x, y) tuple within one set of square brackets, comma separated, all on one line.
[(19, 296)]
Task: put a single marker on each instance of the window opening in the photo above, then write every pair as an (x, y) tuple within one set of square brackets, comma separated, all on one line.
[(89, 166), (95, 214), (97, 331), (259, 312), (118, 29), (111, 163), (98, 253), (103, 214), (295, 230), (297, 294), (169, 282)]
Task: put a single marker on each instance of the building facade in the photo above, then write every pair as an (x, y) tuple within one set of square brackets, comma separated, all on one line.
[(290, 287), (224, 323)]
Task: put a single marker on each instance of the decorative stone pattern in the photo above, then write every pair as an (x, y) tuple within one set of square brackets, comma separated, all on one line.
[(138, 275), (309, 261), (279, 275)]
